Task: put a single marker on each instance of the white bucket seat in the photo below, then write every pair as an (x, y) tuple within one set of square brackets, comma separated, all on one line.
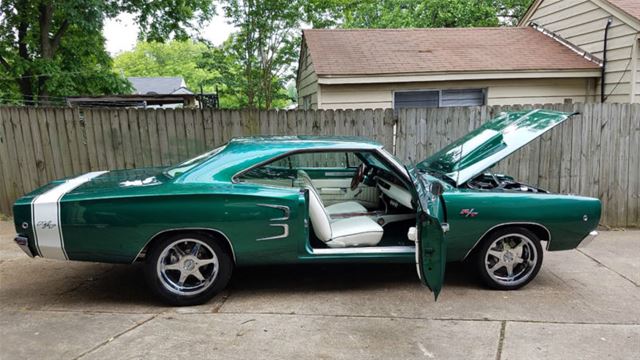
[(347, 232), (346, 207)]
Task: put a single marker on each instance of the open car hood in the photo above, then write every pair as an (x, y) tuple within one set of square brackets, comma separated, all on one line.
[(482, 148)]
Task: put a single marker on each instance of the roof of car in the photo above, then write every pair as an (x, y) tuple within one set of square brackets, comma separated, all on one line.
[(296, 142), (246, 152)]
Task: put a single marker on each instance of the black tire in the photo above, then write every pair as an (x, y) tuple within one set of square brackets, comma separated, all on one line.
[(160, 281), (499, 278)]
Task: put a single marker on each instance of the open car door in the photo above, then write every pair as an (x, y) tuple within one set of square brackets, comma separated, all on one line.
[(431, 249)]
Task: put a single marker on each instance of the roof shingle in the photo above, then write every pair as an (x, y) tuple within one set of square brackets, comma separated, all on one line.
[(407, 51), (631, 7), (158, 85)]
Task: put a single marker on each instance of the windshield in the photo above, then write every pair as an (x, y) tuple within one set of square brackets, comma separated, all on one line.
[(191, 163), (395, 161)]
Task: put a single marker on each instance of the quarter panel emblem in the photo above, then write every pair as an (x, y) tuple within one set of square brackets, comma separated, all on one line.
[(468, 213), (285, 216), (46, 224)]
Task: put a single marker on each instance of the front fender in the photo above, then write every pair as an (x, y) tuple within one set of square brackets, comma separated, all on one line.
[(472, 214)]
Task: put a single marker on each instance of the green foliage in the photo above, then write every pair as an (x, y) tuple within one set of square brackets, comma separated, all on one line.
[(173, 58), (54, 49), (418, 13), (265, 47), (222, 61), (50, 49)]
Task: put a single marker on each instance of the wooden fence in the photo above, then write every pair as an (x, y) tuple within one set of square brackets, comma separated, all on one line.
[(596, 153)]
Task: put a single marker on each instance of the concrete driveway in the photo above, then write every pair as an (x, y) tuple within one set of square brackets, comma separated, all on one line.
[(584, 305)]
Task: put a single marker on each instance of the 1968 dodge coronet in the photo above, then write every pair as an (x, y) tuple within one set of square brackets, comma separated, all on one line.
[(302, 199)]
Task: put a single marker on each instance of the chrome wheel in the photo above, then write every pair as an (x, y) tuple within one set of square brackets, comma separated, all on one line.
[(511, 259), (187, 266)]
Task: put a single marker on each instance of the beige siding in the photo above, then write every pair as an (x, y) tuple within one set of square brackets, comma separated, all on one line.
[(308, 81), (582, 22), (637, 72), (499, 92)]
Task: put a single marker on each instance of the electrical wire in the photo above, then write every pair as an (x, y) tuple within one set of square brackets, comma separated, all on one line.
[(105, 105), (626, 68), (620, 80), (50, 74)]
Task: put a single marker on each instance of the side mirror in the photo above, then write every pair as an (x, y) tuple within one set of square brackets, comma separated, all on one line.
[(436, 188)]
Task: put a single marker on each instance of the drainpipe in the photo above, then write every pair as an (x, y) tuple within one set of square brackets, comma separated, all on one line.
[(604, 60)]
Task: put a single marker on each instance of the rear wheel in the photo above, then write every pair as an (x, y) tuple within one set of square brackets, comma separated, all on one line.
[(187, 269), (509, 258)]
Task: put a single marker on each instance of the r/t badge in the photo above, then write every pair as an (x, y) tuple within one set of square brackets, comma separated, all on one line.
[(468, 213), (46, 225)]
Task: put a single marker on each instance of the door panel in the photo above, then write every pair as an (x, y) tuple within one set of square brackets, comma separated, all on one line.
[(431, 253), (334, 190), (431, 250)]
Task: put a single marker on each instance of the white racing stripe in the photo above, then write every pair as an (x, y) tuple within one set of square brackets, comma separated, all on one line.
[(45, 217)]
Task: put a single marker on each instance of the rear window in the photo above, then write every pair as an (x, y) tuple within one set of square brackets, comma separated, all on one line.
[(191, 163)]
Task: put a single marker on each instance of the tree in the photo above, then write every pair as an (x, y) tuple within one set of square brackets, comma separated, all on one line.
[(56, 47), (173, 58), (265, 46), (422, 13)]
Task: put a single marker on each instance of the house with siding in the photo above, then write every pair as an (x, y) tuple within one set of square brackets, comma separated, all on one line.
[(394, 68), (583, 23)]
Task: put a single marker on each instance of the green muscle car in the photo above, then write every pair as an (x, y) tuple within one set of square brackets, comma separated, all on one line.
[(303, 199)]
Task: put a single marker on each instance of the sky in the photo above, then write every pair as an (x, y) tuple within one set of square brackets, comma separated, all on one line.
[(121, 33)]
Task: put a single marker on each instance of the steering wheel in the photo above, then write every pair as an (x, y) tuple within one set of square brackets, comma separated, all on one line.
[(358, 176)]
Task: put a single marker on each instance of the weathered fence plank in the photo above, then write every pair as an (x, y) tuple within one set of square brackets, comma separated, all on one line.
[(596, 153), (633, 196), (6, 166)]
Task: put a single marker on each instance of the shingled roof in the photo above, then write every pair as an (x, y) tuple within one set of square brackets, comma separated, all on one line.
[(159, 85), (631, 7), (341, 52)]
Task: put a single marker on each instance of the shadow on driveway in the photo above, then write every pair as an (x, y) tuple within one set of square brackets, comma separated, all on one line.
[(333, 277)]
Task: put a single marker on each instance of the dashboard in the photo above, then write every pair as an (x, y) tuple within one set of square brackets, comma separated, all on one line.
[(395, 192)]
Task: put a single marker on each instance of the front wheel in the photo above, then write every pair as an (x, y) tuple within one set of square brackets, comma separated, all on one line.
[(187, 269), (509, 258)]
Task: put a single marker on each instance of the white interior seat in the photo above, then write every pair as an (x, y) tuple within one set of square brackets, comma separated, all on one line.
[(348, 232), (347, 207)]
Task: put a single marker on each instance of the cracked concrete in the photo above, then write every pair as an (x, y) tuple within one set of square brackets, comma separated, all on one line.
[(583, 305)]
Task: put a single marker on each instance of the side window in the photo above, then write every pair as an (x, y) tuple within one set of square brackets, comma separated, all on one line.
[(284, 163), (321, 160), (353, 161), (282, 172), (267, 172)]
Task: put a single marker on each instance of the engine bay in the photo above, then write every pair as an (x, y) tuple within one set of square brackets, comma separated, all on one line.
[(491, 181)]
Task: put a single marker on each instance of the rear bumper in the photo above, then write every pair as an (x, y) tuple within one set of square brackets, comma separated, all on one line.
[(23, 243), (588, 239)]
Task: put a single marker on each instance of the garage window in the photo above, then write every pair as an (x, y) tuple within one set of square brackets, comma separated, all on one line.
[(439, 98)]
